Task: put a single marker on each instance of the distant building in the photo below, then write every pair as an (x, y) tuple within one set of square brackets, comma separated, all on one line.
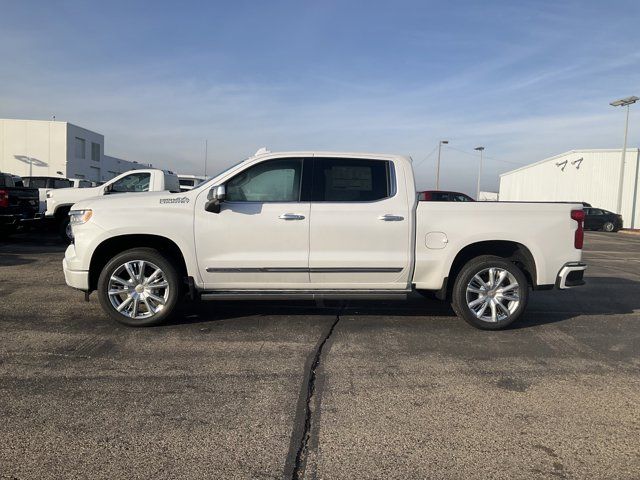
[(591, 176), (57, 149)]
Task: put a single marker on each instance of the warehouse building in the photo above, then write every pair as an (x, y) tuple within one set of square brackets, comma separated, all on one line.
[(591, 176), (57, 149)]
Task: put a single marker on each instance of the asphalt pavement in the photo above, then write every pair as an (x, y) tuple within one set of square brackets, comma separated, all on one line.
[(341, 390)]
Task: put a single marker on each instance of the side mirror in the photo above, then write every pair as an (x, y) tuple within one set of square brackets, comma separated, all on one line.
[(108, 189), (215, 197)]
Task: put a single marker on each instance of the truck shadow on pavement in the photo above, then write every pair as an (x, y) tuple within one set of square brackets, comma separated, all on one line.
[(602, 296)]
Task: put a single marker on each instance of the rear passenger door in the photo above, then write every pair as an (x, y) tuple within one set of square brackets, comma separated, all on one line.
[(360, 231)]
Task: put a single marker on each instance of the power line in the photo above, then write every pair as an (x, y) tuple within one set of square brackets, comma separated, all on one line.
[(420, 162), (487, 157)]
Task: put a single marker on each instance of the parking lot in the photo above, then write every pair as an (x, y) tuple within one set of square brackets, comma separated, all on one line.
[(342, 390)]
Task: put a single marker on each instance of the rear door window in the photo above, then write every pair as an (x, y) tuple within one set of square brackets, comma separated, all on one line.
[(351, 180)]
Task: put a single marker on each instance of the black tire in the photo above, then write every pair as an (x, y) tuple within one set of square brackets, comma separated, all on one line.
[(608, 227), (169, 273), (480, 265), (63, 230)]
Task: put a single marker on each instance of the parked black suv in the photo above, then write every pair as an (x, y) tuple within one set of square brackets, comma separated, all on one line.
[(599, 219)]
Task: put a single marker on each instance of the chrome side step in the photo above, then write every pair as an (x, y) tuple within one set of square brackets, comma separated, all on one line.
[(304, 294)]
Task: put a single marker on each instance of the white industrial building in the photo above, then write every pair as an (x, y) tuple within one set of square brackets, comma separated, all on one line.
[(591, 176), (57, 149)]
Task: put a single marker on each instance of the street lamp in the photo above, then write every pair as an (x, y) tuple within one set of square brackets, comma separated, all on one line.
[(442, 142), (623, 102), (479, 149)]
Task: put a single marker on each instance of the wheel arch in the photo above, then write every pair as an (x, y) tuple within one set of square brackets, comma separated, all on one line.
[(115, 245), (507, 249)]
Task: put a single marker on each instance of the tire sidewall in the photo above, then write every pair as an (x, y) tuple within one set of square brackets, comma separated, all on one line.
[(149, 255), (459, 300)]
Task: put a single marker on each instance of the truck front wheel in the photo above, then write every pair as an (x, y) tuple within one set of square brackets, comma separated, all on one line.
[(139, 288), (490, 292)]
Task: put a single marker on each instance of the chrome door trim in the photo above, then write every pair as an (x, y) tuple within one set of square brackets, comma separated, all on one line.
[(306, 270)]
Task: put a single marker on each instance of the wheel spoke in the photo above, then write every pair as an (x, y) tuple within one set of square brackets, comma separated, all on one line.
[(158, 285), (150, 309), (494, 313), (501, 277), (492, 277), (504, 309), (478, 279), (153, 277), (129, 267), (478, 301), (508, 287), (118, 291), (134, 308), (119, 280), (156, 298), (141, 265), (123, 305), (480, 312), (510, 298), (476, 290)]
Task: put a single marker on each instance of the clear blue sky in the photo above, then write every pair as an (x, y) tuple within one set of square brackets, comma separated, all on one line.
[(526, 79)]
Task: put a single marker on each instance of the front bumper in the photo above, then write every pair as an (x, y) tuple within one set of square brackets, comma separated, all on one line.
[(571, 275), (75, 278)]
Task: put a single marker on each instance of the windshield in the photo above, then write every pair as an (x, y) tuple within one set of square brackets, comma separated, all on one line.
[(220, 173)]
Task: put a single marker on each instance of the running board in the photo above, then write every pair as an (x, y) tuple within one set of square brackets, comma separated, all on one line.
[(304, 294)]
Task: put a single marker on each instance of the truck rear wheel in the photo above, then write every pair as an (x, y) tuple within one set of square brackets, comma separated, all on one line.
[(139, 288), (490, 293)]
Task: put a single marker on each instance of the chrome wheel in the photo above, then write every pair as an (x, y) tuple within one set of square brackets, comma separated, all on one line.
[(138, 289), (609, 227), (493, 294)]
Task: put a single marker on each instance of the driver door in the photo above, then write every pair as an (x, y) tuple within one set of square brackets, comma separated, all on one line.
[(260, 237)]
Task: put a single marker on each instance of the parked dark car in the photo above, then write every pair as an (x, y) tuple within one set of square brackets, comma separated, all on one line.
[(599, 219), (443, 196), (18, 204)]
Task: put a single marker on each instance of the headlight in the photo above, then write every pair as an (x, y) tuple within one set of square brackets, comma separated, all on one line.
[(78, 217)]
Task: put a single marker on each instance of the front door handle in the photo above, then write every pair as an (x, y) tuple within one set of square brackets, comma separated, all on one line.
[(390, 218), (291, 216)]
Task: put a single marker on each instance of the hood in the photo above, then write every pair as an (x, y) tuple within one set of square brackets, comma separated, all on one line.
[(70, 194), (136, 200)]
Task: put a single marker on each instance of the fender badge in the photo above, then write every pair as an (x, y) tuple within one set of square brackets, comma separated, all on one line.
[(175, 200)]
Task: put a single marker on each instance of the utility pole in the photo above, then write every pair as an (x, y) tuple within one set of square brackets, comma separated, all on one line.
[(481, 150), (206, 152), (623, 102), (442, 142)]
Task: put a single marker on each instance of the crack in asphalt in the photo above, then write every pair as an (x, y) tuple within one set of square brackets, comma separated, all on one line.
[(298, 467)]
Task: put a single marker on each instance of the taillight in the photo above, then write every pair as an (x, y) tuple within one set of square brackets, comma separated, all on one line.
[(4, 199), (578, 239)]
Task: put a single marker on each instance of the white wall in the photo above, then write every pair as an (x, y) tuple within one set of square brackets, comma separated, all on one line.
[(594, 180), (33, 147)]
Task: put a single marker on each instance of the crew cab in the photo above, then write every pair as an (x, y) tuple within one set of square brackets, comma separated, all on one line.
[(18, 204), (309, 225), (60, 201)]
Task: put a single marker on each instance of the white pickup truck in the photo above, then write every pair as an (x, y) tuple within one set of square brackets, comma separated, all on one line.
[(60, 201), (307, 225)]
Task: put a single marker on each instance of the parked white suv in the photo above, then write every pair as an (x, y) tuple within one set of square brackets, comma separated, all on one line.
[(308, 225)]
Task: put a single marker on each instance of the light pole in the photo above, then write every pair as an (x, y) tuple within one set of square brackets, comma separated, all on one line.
[(623, 102), (479, 149), (442, 142)]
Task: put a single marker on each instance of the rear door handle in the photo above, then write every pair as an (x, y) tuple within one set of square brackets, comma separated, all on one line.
[(291, 216), (390, 218)]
